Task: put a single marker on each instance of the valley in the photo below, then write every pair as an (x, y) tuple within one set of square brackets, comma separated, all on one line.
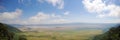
[(62, 35), (62, 32)]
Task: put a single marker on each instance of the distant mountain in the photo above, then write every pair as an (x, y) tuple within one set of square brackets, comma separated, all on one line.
[(66, 26), (81, 25), (7, 32)]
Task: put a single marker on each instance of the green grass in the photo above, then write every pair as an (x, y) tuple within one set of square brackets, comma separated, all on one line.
[(62, 35)]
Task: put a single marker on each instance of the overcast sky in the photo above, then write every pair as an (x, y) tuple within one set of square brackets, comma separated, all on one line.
[(59, 11)]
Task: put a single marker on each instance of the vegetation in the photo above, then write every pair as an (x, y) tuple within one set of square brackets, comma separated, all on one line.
[(62, 35), (112, 34), (9, 33), (4, 33)]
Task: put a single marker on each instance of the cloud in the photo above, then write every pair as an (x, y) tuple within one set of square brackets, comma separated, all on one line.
[(55, 16), (67, 13), (60, 21), (40, 16), (10, 15), (56, 3), (43, 18), (102, 8)]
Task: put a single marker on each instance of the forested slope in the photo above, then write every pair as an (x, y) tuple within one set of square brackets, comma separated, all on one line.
[(8, 32), (112, 34)]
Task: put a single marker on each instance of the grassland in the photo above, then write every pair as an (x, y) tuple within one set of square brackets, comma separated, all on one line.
[(62, 35)]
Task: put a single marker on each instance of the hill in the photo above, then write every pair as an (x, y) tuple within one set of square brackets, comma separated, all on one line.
[(112, 34), (7, 32)]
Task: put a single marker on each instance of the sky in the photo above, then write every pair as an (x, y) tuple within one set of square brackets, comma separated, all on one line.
[(59, 11)]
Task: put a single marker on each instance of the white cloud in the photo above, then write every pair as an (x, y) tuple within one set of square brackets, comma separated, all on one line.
[(43, 18), (40, 16), (101, 15), (101, 8), (67, 13), (10, 15), (56, 3), (114, 10), (55, 16), (60, 21)]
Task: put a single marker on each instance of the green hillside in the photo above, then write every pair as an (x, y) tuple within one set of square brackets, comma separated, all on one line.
[(8, 32), (112, 34)]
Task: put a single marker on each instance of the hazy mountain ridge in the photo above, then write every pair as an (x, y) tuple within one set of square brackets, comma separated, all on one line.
[(64, 24), (67, 26)]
